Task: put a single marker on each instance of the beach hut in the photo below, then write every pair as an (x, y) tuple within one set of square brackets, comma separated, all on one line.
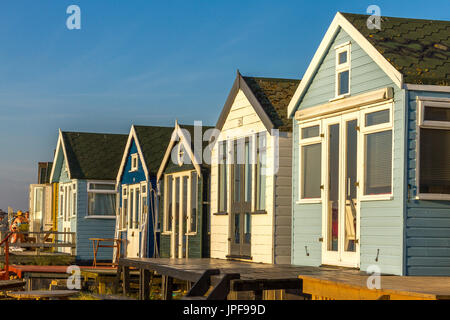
[(371, 161), (85, 166), (137, 222), (184, 180), (251, 172)]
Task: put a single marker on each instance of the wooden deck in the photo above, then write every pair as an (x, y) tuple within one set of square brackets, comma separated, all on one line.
[(318, 282)]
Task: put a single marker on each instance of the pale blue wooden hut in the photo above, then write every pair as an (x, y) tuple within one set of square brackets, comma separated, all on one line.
[(371, 161), (85, 168)]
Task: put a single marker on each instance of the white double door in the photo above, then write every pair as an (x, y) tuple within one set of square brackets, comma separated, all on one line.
[(341, 207), (136, 218), (181, 194)]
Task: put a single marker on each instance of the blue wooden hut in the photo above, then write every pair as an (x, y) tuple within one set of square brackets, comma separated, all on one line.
[(85, 168), (371, 161), (136, 182)]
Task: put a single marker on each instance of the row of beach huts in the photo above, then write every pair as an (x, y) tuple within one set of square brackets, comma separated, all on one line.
[(349, 166)]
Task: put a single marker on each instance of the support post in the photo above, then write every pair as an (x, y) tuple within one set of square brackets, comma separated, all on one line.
[(167, 287), (126, 280), (144, 284)]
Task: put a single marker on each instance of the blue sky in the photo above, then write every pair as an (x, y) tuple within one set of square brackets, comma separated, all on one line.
[(144, 62)]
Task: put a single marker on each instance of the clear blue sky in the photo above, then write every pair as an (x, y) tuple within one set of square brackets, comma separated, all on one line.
[(144, 62)]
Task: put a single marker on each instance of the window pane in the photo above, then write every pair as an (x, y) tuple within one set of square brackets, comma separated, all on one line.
[(261, 173), (169, 189), (310, 132), (223, 191), (343, 57), (437, 114), (343, 78), (101, 204), (247, 227), (194, 201), (378, 170), (311, 171), (434, 161), (101, 186), (378, 117), (248, 171)]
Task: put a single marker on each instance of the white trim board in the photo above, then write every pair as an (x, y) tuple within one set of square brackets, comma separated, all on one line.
[(59, 145), (427, 87), (338, 22), (178, 131)]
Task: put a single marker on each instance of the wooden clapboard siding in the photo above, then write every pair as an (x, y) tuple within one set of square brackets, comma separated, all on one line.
[(427, 229), (86, 228), (379, 219), (283, 198)]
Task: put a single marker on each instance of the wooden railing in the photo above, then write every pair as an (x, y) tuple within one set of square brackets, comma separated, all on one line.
[(42, 240)]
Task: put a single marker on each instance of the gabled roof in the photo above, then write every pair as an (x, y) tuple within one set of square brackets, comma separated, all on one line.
[(419, 49), (151, 142), (91, 156), (268, 96), (179, 134), (409, 51)]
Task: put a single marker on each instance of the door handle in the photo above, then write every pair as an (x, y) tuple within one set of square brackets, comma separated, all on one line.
[(321, 239)]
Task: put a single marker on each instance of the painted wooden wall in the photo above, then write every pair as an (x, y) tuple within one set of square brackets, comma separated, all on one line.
[(263, 225), (381, 221), (427, 222), (283, 198), (85, 227)]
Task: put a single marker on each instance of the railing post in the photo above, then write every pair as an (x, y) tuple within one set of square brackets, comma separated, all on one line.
[(7, 259)]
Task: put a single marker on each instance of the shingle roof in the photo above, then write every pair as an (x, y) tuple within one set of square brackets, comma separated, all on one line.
[(95, 156), (153, 142), (419, 49), (274, 96)]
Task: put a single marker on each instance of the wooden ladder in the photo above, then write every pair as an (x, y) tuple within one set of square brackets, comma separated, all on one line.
[(202, 288)]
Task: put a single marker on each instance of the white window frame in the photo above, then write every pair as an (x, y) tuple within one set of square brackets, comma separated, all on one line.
[(422, 103), (61, 203), (344, 47), (144, 194), (362, 148), (306, 142), (134, 159), (166, 214), (42, 203), (189, 205), (122, 216), (74, 203), (89, 190)]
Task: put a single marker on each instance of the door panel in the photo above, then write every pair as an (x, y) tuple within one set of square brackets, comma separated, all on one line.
[(341, 209), (240, 217)]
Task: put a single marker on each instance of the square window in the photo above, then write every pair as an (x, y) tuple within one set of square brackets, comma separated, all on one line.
[(342, 57)]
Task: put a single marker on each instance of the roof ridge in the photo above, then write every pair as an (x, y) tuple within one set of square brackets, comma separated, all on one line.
[(404, 18), (97, 133), (271, 78)]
